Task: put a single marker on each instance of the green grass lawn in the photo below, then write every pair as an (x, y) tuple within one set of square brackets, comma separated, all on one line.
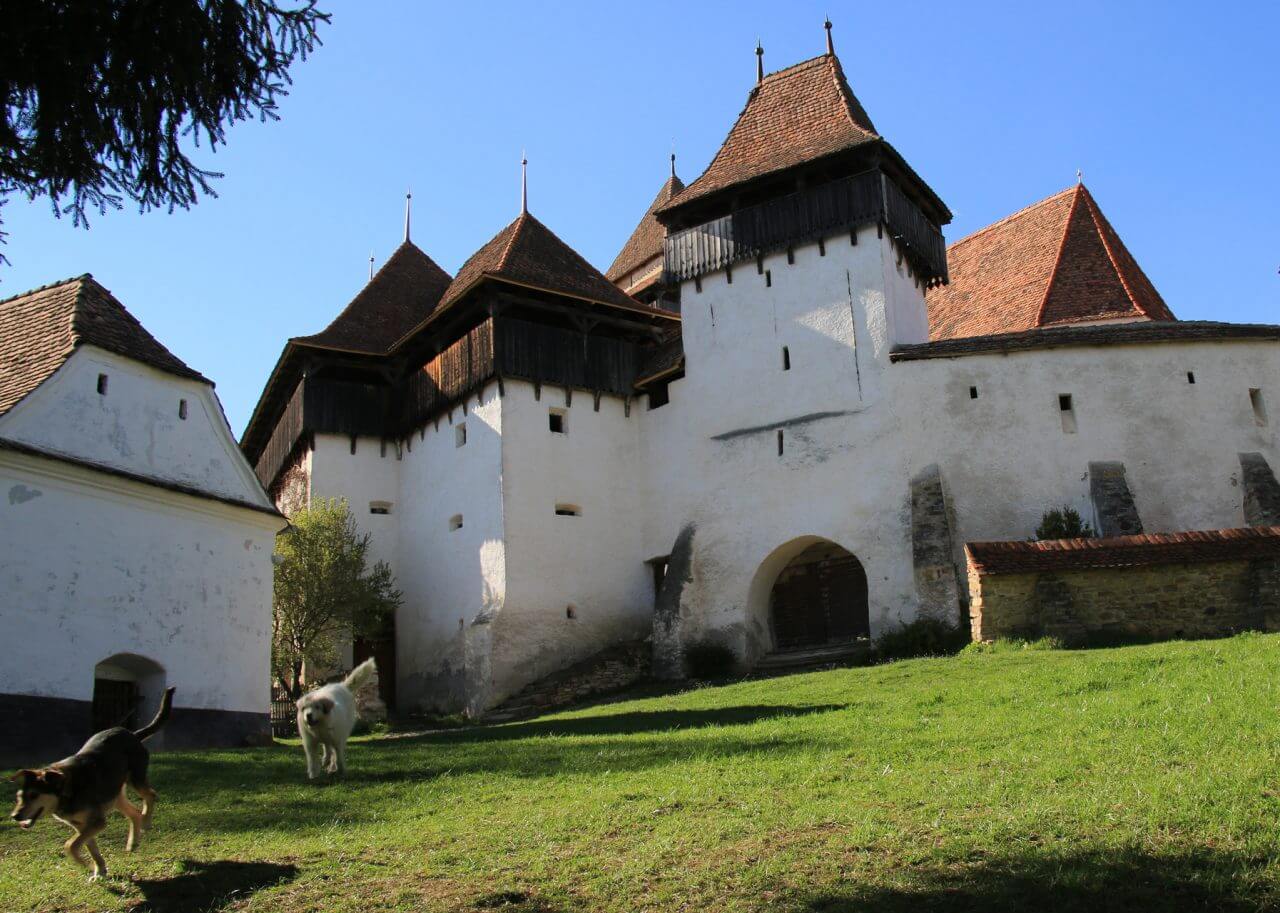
[(1125, 779)]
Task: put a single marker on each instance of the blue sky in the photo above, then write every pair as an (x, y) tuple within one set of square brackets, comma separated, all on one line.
[(1172, 110)]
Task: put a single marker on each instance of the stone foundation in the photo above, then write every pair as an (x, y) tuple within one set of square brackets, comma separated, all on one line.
[(1127, 588)]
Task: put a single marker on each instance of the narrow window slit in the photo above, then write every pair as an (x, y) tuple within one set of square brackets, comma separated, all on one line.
[(182, 409), (102, 385), (786, 358), (779, 442), (1259, 407)]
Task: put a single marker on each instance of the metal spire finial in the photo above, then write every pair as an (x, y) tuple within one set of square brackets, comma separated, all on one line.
[(524, 183), (370, 266), (408, 205), (1079, 176), (759, 62), (831, 48), (673, 165)]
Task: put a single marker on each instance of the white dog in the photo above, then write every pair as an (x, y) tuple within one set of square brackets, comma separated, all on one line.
[(326, 717)]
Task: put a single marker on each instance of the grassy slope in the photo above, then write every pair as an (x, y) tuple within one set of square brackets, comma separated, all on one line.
[(1109, 779)]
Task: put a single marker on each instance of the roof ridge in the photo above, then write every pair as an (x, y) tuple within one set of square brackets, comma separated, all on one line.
[(786, 71), (1057, 261), (1094, 214), (1011, 217), (846, 93), (516, 227), (47, 286)]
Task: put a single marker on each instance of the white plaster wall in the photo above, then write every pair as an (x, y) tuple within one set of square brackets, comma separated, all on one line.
[(1006, 458), (135, 425), (370, 474), (454, 581), (593, 562), (92, 565)]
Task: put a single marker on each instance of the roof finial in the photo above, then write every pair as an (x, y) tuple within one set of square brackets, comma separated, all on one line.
[(524, 183), (759, 62), (408, 205), (831, 48), (370, 266), (1079, 176)]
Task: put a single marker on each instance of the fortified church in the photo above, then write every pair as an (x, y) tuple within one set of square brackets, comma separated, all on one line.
[(772, 424)]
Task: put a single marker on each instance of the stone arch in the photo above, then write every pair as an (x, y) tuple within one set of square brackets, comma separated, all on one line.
[(811, 592), (127, 689)]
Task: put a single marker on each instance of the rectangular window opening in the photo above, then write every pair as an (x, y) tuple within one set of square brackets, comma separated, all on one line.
[(568, 510), (658, 396), (1191, 377), (460, 434), (182, 409), (381, 508), (768, 278), (973, 393), (1259, 407), (102, 385), (1066, 409), (779, 442), (822, 247), (557, 421), (455, 522), (697, 284), (786, 358)]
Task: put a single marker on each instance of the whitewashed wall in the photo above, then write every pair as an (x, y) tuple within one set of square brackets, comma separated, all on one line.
[(92, 565), (593, 563), (135, 426)]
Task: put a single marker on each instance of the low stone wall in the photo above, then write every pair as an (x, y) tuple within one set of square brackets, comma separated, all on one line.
[(611, 669), (1197, 584)]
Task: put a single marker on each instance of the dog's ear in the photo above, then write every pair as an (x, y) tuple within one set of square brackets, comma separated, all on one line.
[(325, 704), (54, 778), (23, 775)]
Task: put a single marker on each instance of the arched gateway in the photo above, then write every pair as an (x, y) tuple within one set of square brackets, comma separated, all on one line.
[(818, 599)]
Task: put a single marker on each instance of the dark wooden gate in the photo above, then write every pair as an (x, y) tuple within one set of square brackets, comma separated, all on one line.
[(820, 598), (114, 704), (383, 651)]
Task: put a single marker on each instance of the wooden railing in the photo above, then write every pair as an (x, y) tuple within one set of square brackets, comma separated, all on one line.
[(806, 214)]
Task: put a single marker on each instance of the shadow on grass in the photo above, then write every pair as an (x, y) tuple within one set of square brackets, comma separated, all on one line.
[(1202, 880), (209, 886), (635, 721)]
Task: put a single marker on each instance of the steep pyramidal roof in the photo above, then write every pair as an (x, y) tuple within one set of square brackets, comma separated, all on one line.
[(1056, 262), (40, 329), (400, 295), (645, 242), (796, 115), (528, 253)]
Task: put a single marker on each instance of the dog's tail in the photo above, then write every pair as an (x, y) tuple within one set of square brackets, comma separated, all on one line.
[(360, 674), (166, 704)]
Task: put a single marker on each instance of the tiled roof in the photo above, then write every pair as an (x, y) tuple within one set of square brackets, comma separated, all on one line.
[(796, 115), (40, 329), (1056, 262), (1105, 334), (1125, 551), (645, 242), (528, 253), (400, 295)]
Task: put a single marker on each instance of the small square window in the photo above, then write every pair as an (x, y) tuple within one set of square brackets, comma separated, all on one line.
[(460, 434), (102, 385), (558, 421), (1064, 402), (455, 522), (568, 510), (381, 508)]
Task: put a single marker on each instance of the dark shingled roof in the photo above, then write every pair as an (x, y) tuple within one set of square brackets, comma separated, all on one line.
[(528, 253), (1056, 262), (666, 358), (645, 242), (400, 296), (794, 116), (1106, 334), (41, 328), (1125, 551)]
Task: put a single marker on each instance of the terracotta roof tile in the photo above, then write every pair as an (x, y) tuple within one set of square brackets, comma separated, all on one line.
[(400, 295), (645, 242), (1125, 551), (528, 253), (796, 115), (1056, 262), (41, 328)]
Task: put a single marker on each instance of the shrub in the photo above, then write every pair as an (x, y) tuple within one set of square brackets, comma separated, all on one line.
[(708, 660), (922, 637), (1012, 645), (1063, 523)]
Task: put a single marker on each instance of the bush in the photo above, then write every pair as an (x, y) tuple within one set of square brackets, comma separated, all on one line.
[(708, 660), (922, 637), (1012, 645), (1064, 523)]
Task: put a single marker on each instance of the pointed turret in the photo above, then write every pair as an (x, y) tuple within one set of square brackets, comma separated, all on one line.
[(1056, 262), (400, 295), (639, 263)]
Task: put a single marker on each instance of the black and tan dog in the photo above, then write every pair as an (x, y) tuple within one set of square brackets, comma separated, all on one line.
[(81, 790)]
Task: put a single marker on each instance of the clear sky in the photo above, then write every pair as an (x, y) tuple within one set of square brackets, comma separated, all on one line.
[(1171, 109)]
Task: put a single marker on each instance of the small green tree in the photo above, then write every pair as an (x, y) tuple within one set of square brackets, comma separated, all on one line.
[(1063, 523), (324, 589)]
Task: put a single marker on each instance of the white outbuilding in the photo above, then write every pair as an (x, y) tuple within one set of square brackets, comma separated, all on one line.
[(135, 540)]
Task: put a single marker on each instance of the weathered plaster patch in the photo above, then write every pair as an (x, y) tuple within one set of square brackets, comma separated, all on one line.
[(21, 494)]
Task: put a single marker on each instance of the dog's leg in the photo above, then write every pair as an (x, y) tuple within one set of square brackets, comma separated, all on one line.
[(149, 797), (84, 837), (341, 752), (312, 750), (130, 811), (325, 756), (99, 864)]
